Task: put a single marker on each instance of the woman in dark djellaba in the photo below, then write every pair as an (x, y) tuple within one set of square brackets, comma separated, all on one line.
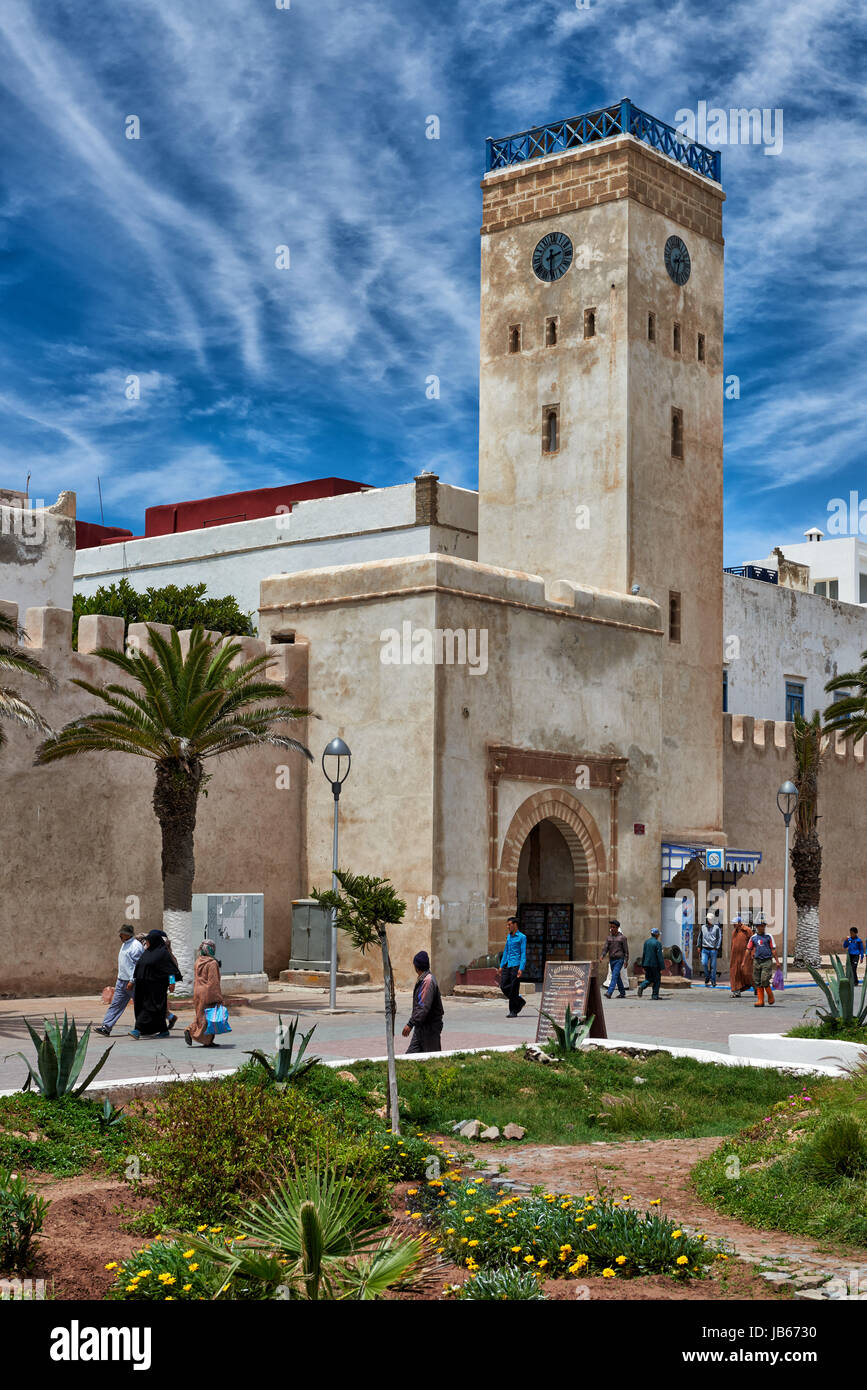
[(151, 987)]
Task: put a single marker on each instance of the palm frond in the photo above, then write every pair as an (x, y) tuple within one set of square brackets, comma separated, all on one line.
[(20, 711)]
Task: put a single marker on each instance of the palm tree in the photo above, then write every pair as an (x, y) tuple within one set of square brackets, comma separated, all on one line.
[(12, 705), (179, 711), (848, 715), (364, 908), (806, 852)]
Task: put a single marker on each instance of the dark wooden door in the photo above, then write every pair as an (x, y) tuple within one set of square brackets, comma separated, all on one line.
[(548, 929)]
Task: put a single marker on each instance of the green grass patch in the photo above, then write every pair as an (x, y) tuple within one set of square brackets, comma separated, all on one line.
[(802, 1168), (841, 1032), (62, 1137), (591, 1094)]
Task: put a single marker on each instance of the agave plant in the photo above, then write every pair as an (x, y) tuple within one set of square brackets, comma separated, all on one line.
[(840, 994), (110, 1116), (571, 1034), (314, 1238), (286, 1065), (59, 1059)]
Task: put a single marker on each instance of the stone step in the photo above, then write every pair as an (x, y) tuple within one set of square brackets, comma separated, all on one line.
[(321, 979)]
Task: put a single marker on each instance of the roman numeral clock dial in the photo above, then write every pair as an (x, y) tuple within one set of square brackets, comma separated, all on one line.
[(677, 261), (553, 256)]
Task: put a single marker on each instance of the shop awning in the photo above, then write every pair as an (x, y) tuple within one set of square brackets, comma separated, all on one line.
[(714, 859)]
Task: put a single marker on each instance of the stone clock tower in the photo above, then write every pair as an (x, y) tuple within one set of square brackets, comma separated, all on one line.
[(601, 405)]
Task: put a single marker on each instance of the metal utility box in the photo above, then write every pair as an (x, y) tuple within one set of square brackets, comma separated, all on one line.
[(311, 936), (235, 922)]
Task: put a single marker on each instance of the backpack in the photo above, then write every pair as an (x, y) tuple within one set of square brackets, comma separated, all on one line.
[(763, 946)]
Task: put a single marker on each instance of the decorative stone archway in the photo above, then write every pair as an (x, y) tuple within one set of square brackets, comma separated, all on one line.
[(595, 870)]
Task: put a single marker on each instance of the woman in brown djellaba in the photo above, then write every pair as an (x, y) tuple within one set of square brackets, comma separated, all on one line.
[(206, 992), (740, 965)]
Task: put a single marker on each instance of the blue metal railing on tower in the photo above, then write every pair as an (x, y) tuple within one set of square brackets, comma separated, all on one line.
[(558, 137)]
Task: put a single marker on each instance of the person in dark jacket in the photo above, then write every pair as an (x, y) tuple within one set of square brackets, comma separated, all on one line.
[(151, 987), (654, 963), (616, 948), (426, 1019)]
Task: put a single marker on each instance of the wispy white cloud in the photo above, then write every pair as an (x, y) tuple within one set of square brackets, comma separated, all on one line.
[(306, 127)]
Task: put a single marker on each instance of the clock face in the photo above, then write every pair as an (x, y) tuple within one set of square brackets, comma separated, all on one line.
[(677, 261), (553, 256)]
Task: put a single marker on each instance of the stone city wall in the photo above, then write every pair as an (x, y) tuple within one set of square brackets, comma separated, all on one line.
[(81, 843), (758, 757)]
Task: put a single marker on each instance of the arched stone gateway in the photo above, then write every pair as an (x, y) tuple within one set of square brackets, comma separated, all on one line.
[(589, 890)]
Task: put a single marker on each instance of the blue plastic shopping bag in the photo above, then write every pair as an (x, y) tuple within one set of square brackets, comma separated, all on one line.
[(217, 1017)]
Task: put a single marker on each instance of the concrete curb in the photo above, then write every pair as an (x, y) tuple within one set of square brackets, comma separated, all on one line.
[(720, 1058)]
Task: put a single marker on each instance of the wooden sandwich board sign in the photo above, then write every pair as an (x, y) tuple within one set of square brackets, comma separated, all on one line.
[(572, 982)]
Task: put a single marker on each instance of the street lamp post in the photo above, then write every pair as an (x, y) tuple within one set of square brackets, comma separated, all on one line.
[(787, 801), (338, 750)]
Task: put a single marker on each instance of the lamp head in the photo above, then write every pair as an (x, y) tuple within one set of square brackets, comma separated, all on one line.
[(334, 771), (787, 800)]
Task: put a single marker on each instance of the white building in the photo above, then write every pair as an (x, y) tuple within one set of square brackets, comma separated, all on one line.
[(838, 565), (383, 523), (782, 646)]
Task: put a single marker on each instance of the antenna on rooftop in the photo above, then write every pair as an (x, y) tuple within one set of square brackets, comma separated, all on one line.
[(101, 513), (27, 486)]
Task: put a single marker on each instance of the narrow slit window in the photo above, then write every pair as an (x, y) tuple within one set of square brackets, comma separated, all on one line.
[(589, 323), (675, 340), (552, 332), (677, 434), (673, 616), (515, 338), (651, 328), (551, 429), (700, 347)]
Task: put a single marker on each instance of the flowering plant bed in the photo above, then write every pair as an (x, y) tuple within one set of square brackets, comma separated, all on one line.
[(555, 1235)]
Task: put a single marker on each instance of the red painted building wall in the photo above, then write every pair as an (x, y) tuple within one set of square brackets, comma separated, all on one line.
[(168, 518)]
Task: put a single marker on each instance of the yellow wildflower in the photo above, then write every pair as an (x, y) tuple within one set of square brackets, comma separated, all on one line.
[(516, 1249), (113, 1265), (609, 1274), (192, 1268), (682, 1260), (675, 1234), (188, 1254), (656, 1201), (593, 1227), (187, 1288), (621, 1260)]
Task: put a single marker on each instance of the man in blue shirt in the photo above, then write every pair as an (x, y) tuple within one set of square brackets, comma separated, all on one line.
[(855, 947), (513, 962)]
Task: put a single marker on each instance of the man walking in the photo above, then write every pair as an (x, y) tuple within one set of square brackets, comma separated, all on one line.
[(128, 954), (764, 951), (854, 947), (513, 963), (711, 944), (654, 963), (616, 948), (426, 1019)]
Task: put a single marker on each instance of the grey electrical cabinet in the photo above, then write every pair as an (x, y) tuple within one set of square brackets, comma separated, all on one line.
[(311, 936), (235, 922)]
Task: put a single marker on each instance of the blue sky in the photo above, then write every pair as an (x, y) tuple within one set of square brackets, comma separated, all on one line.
[(305, 127)]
